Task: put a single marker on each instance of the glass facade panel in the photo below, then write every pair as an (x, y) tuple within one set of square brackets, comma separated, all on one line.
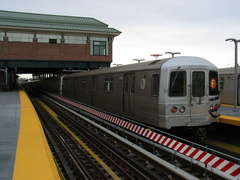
[(75, 39), (48, 38), (20, 37), (1, 36)]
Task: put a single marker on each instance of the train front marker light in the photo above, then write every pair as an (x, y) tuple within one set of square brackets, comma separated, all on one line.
[(211, 108), (174, 109)]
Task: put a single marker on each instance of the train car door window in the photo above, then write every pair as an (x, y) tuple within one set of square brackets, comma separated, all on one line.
[(94, 90), (197, 94), (198, 84), (128, 95), (155, 85), (213, 83), (177, 83), (108, 85)]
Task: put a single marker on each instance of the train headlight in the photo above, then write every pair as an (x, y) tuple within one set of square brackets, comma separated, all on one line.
[(174, 109), (182, 109), (211, 107)]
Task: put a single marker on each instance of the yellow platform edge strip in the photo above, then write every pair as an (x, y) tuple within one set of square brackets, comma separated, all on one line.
[(229, 120), (34, 159)]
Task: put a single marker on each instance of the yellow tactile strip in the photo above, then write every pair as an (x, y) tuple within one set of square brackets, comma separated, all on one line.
[(33, 157), (230, 120)]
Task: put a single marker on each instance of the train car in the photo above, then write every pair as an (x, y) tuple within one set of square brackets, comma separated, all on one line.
[(227, 85), (167, 93)]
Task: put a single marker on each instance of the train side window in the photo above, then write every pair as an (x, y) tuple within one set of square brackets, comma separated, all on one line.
[(84, 84), (222, 83), (155, 85), (132, 83), (108, 84), (126, 84), (177, 83), (213, 83)]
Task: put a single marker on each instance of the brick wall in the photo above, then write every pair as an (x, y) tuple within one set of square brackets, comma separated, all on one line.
[(47, 51)]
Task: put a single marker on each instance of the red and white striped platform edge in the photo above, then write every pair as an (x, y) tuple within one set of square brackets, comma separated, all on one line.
[(227, 168)]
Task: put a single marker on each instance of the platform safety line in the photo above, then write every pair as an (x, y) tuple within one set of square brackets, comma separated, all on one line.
[(105, 166), (229, 105), (224, 166), (229, 120)]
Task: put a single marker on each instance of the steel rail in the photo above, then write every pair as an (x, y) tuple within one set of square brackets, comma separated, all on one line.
[(176, 158), (164, 166), (190, 161)]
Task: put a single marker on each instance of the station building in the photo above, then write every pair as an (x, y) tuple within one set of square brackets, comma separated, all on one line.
[(42, 43)]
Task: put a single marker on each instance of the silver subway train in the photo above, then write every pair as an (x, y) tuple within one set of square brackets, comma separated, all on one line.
[(227, 85), (179, 92)]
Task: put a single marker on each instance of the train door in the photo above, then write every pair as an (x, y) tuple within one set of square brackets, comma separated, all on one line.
[(197, 105), (93, 90), (128, 93)]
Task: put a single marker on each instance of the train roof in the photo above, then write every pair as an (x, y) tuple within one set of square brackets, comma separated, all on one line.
[(230, 70), (118, 69), (148, 65)]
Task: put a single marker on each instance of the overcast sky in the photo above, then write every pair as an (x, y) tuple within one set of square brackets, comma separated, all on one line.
[(192, 27)]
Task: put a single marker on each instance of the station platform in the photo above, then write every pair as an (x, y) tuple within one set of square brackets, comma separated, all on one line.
[(24, 152), (228, 116)]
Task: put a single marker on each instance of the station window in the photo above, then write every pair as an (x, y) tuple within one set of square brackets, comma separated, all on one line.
[(177, 83), (99, 46), (20, 37), (47, 38), (75, 39), (155, 85), (108, 84), (1, 36)]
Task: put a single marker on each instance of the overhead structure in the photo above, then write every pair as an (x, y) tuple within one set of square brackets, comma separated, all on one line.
[(43, 43)]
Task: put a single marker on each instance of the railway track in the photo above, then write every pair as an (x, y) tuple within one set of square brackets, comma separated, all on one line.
[(127, 155)]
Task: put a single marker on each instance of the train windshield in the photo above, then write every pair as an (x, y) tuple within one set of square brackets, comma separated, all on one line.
[(177, 84), (198, 84), (213, 83)]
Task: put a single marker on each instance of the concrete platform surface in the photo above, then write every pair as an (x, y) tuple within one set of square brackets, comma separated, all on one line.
[(9, 129)]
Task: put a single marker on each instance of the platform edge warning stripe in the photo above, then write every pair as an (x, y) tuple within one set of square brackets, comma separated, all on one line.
[(34, 159), (229, 120)]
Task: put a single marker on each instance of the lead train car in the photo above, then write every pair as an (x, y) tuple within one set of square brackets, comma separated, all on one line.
[(175, 92)]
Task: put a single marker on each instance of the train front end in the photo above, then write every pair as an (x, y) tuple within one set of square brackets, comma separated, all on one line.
[(190, 99)]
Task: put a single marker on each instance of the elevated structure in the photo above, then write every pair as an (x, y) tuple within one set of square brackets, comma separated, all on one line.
[(42, 43)]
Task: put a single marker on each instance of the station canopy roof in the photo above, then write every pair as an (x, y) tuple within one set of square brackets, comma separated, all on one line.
[(32, 21)]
